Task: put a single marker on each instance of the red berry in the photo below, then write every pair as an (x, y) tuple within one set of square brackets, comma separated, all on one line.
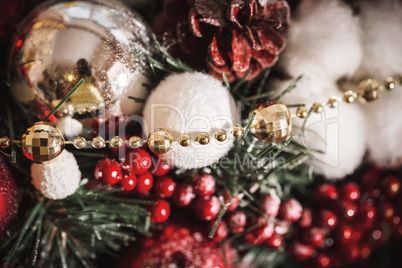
[(204, 185), (138, 162), (306, 218), (322, 261), (300, 252), (159, 212), (274, 242), (314, 236), (290, 210), (261, 233), (108, 171), (377, 236), (346, 234), (349, 191), (144, 182), (207, 208), (233, 203), (346, 209), (164, 187), (326, 219), (270, 203), (282, 227), (221, 231), (159, 167), (128, 182), (183, 195), (386, 210), (236, 222), (390, 186), (326, 193), (365, 216)]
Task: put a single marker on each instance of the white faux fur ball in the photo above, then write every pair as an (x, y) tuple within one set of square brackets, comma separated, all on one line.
[(137, 90), (70, 126), (191, 103), (58, 178)]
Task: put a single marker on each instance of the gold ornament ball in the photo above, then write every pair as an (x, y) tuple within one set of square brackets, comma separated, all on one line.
[(333, 102), (301, 112), (318, 107), (80, 143), (389, 83), (221, 135), (237, 131), (5, 142), (116, 142), (349, 96), (98, 142), (42, 142), (185, 140), (203, 138), (272, 122), (135, 142), (160, 141), (368, 90)]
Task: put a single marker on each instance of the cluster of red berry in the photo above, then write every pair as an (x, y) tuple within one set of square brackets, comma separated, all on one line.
[(346, 224)]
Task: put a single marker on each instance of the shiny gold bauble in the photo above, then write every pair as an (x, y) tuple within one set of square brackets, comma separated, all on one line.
[(185, 140), (237, 131), (62, 42), (301, 112), (272, 122), (349, 96), (135, 142), (333, 102), (203, 138), (80, 143), (160, 141), (42, 142), (389, 83), (116, 142), (221, 135), (318, 107), (368, 90), (98, 142)]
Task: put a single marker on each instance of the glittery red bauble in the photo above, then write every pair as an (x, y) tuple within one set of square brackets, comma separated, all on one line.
[(108, 172), (9, 196)]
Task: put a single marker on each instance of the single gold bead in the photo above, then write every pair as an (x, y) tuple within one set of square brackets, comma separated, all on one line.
[(80, 142), (349, 96), (160, 141), (333, 102), (203, 138), (185, 140), (135, 142), (221, 135), (389, 83), (5, 142), (368, 90), (237, 131), (98, 142), (318, 107), (116, 142), (301, 112)]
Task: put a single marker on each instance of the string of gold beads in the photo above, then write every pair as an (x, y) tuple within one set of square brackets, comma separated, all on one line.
[(367, 91)]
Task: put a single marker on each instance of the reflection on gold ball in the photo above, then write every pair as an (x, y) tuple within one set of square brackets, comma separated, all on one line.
[(185, 140), (116, 142), (349, 96), (237, 131), (98, 142), (203, 138), (221, 135), (389, 83), (301, 112), (333, 102), (160, 141), (80, 143), (135, 142), (368, 90), (5, 142), (318, 107)]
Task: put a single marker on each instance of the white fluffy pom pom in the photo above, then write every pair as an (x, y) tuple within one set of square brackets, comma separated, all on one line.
[(137, 90), (58, 178), (191, 103), (70, 126)]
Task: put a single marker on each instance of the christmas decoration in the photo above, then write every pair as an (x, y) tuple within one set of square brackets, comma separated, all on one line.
[(45, 64), (231, 37), (9, 197), (190, 103), (57, 179)]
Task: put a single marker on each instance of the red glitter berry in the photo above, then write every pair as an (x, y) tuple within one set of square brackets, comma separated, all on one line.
[(314, 236), (291, 210), (271, 203), (365, 216), (300, 252), (237, 221), (183, 195), (207, 208), (346, 234), (159, 167), (326, 219), (261, 233), (164, 187), (221, 231), (349, 191), (159, 212), (306, 218), (144, 182), (203, 185), (138, 162), (274, 242), (326, 193), (233, 203), (346, 209), (108, 171), (128, 182)]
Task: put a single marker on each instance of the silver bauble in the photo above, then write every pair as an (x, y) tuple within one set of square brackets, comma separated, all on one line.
[(62, 42)]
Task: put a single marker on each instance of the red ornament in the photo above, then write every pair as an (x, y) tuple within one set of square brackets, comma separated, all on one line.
[(9, 196), (221, 231), (300, 252), (282, 227), (144, 182), (164, 187), (159, 167), (203, 185), (349, 191), (370, 178), (326, 219), (138, 162), (159, 212), (207, 208), (261, 233), (314, 236), (233, 203), (326, 193), (183, 195), (346, 209), (271, 203), (291, 210), (274, 242), (108, 172), (128, 182), (237, 221), (346, 234)]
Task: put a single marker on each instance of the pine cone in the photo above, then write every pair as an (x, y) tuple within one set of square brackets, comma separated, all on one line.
[(231, 36)]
